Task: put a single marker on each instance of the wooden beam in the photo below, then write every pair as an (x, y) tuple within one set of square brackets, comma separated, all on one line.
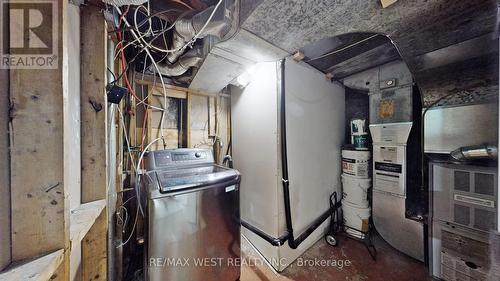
[(172, 93), (118, 235), (93, 104), (149, 81), (40, 269), (94, 250), (83, 218), (59, 274), (5, 242), (40, 209), (188, 121), (94, 138)]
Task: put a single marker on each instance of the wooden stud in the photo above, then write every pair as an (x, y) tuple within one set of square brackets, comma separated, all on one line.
[(94, 250), (5, 242), (212, 115), (298, 56), (132, 126), (149, 124), (40, 207), (94, 138), (59, 274), (93, 104), (119, 201)]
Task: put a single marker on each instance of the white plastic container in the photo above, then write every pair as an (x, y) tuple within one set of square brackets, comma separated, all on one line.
[(356, 163), (356, 219), (355, 190), (358, 126), (359, 135)]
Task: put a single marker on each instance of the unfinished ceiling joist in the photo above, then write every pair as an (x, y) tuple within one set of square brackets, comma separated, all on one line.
[(174, 91)]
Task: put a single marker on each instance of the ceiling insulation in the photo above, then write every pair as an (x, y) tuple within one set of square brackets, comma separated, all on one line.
[(347, 54), (416, 27)]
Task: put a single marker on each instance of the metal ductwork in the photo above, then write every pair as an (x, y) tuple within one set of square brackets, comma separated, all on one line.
[(474, 152), (193, 58), (217, 20), (120, 3), (227, 50)]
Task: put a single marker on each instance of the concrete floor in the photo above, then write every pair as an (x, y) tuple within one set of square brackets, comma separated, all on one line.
[(390, 264)]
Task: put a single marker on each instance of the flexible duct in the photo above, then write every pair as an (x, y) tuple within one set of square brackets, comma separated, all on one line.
[(223, 20), (219, 25), (484, 151), (119, 3), (180, 67)]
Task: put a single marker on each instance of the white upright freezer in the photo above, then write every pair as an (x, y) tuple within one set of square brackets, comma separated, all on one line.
[(315, 112)]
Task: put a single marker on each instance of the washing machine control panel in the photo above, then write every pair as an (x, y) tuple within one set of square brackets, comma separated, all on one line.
[(177, 157)]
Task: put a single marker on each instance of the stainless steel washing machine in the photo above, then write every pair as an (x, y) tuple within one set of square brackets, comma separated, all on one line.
[(192, 226)]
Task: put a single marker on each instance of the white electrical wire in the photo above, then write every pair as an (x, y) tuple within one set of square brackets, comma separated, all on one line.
[(122, 210), (126, 137), (138, 172), (138, 168), (148, 9), (132, 231), (158, 70), (142, 85), (146, 45), (188, 43), (150, 28), (122, 49), (161, 32)]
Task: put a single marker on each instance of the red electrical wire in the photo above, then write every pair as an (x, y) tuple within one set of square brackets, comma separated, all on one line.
[(127, 82), (123, 60)]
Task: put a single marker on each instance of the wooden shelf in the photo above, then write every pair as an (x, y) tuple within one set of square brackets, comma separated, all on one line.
[(40, 269), (82, 219)]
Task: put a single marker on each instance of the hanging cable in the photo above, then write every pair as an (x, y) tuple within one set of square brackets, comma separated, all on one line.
[(157, 69)]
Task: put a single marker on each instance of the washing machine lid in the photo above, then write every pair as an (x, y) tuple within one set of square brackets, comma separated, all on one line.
[(170, 180)]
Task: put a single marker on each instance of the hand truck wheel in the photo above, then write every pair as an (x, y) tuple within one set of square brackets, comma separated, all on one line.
[(331, 240)]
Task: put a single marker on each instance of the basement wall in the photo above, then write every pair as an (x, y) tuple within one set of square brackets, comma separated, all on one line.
[(193, 119)]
